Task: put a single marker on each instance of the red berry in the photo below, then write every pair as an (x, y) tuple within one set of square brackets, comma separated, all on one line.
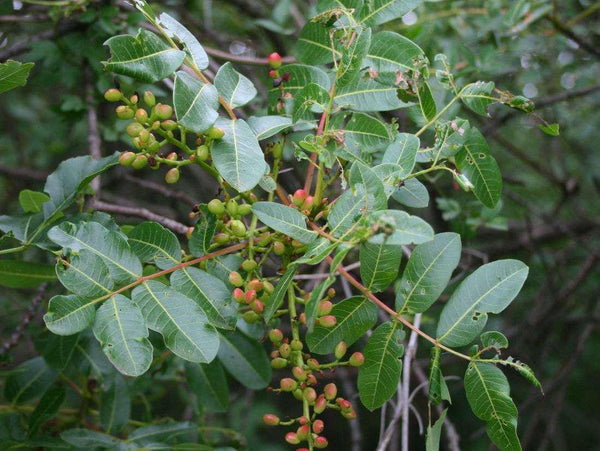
[(318, 426), (250, 296), (349, 414), (327, 321), (238, 295), (321, 442), (303, 432), (311, 379), (320, 404), (292, 438), (330, 391), (273, 73), (324, 308), (286, 76), (302, 420), (288, 384), (357, 359), (257, 306), (270, 419), (275, 60), (310, 395), (299, 197)]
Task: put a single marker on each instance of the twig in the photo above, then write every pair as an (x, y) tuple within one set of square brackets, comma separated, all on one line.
[(169, 193), (33, 174), (140, 213), (94, 140), (245, 59)]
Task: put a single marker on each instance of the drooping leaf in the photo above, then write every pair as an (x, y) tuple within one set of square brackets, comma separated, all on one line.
[(191, 45), (245, 359), (379, 376), (181, 321), (478, 96), (432, 441), (195, 103), (266, 126), (70, 314), (427, 272), (399, 228), (115, 404), (276, 298), (490, 289), (209, 292), (47, 408), (379, 265), (85, 274), (236, 89), (354, 317), (285, 220), (238, 156), (110, 246), (352, 57), (151, 242), (121, 330), (412, 193), (479, 166), (70, 178), (377, 12), (29, 380), (426, 102), (392, 52), (438, 389), (488, 393), (145, 56), (22, 274), (550, 129), (13, 74), (365, 94), (402, 152), (209, 383), (32, 201), (494, 339), (366, 133)]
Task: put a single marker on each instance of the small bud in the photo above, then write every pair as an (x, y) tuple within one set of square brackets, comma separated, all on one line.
[(302, 432), (320, 442), (278, 248), (168, 125), (215, 133), (327, 321), (298, 394), (340, 350), (249, 265), (221, 238), (270, 419), (299, 373), (163, 112), (292, 438), (134, 99), (250, 317), (273, 73), (141, 116), (357, 359), (235, 279), (311, 379), (257, 306), (313, 364), (349, 414), (285, 350), (149, 99), (320, 404), (308, 203), (232, 207), (139, 162), (264, 239), (330, 391), (134, 129), (124, 112), (299, 197), (303, 420), (296, 345), (274, 354), (278, 363), (275, 335), (275, 60), (172, 156), (344, 404), (216, 207), (237, 228), (113, 95), (318, 426), (202, 153), (238, 295), (126, 158), (172, 176), (302, 318), (268, 287), (288, 384), (324, 308)]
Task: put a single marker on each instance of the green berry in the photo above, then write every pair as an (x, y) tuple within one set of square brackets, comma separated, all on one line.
[(278, 363), (275, 335), (113, 95), (340, 350), (278, 248), (163, 112), (172, 176), (232, 207), (141, 116), (216, 207), (236, 279), (285, 350), (139, 162), (357, 359), (288, 384), (124, 112), (215, 133), (239, 229), (250, 317), (296, 345), (126, 158), (202, 153), (134, 129), (249, 265), (244, 209), (149, 99), (270, 419)]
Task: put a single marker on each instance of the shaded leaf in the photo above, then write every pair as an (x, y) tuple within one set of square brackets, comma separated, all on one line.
[(245, 359), (209, 383), (22, 274), (13, 74), (402, 152), (432, 441), (115, 404), (195, 103), (47, 408), (412, 193), (266, 126), (29, 380), (478, 96)]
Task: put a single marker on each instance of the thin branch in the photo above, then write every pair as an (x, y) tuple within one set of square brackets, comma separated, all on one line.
[(27, 173), (245, 59), (94, 140), (411, 351), (566, 31), (163, 190)]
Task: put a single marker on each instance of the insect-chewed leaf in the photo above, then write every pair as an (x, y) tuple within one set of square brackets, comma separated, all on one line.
[(392, 52), (490, 289), (398, 228), (379, 265), (145, 56), (310, 99), (121, 330), (488, 393), (376, 12), (361, 174), (300, 76), (432, 442), (353, 56), (209, 292), (285, 220), (347, 208), (438, 390), (478, 96), (494, 339), (196, 103), (426, 102), (245, 359), (181, 321), (152, 242), (238, 156), (354, 316), (379, 376), (235, 89), (183, 35), (427, 272)]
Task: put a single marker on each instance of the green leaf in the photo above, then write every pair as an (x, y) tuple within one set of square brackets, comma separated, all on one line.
[(31, 201), (488, 393), (58, 350), (70, 178), (145, 56), (523, 369), (284, 219), (449, 139), (438, 389), (47, 408), (379, 376), (245, 359), (427, 272), (209, 292), (347, 208), (236, 89), (477, 163), (70, 314), (402, 152), (426, 102), (85, 274), (365, 94), (115, 404), (276, 298), (478, 96), (203, 233), (432, 441), (311, 99), (121, 330), (21, 274), (355, 316), (352, 57), (110, 246), (392, 52), (315, 46), (195, 103), (361, 174), (209, 383), (379, 265), (400, 228), (493, 339), (490, 289), (377, 12), (29, 380), (412, 193), (238, 156), (191, 45), (182, 323), (317, 251), (220, 267), (13, 74), (550, 129), (151, 242), (366, 133), (300, 76), (266, 126), (88, 438), (156, 433)]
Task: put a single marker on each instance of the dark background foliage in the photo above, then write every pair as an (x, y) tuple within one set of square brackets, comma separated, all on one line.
[(549, 215)]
